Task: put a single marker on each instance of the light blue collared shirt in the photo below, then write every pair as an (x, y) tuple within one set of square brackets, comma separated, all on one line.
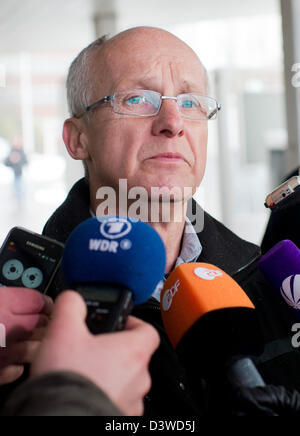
[(190, 251)]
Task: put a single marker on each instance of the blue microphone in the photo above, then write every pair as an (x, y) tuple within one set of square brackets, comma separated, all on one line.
[(114, 263), (281, 267)]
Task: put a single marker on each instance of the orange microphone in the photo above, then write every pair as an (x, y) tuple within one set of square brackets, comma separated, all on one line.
[(212, 323)]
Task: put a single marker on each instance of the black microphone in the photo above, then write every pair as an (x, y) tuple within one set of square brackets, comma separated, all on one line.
[(114, 263), (284, 219)]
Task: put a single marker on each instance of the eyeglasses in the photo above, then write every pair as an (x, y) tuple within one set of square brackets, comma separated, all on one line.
[(145, 103)]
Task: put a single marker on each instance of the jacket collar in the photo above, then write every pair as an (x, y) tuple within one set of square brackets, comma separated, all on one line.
[(74, 210), (222, 247)]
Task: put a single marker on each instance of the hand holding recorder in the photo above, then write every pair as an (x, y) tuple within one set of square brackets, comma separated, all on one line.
[(28, 263), (116, 362)]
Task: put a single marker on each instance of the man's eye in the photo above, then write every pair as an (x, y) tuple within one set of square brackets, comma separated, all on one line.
[(187, 104), (136, 100)]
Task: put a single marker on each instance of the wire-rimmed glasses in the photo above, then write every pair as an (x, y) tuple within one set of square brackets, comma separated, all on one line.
[(146, 103)]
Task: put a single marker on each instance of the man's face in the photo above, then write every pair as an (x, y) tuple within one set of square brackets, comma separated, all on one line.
[(162, 151)]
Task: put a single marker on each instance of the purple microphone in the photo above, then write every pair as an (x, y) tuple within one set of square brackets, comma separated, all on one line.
[(281, 267)]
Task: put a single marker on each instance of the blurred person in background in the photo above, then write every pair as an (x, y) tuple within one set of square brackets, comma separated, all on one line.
[(16, 160)]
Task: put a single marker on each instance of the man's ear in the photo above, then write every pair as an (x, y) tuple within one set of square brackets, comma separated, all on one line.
[(75, 139)]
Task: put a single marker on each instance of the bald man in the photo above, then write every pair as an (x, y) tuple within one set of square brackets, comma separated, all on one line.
[(139, 113)]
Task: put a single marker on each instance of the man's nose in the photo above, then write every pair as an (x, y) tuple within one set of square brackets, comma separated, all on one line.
[(168, 121)]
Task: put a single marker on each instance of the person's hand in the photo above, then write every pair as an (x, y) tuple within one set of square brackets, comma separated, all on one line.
[(115, 362), (24, 313)]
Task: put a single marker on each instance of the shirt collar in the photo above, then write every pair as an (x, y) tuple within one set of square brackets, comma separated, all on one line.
[(191, 246), (190, 251)]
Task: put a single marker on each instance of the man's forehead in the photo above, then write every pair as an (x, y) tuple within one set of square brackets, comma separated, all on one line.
[(142, 81), (147, 63)]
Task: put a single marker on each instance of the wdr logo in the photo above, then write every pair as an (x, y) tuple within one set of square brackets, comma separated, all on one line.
[(290, 291), (115, 228)]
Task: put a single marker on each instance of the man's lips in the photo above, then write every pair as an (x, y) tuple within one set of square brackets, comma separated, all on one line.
[(168, 157)]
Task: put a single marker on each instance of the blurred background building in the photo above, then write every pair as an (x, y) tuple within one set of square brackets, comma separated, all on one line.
[(249, 48)]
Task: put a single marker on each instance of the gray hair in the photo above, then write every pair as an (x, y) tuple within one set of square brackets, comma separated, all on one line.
[(79, 82)]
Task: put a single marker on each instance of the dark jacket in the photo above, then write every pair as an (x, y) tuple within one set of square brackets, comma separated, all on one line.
[(173, 394), (59, 394)]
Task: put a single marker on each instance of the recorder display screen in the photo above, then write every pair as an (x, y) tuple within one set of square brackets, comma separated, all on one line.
[(28, 260)]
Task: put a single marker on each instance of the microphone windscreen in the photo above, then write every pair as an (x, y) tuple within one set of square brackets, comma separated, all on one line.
[(281, 267), (194, 290), (115, 250), (209, 318), (280, 262)]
